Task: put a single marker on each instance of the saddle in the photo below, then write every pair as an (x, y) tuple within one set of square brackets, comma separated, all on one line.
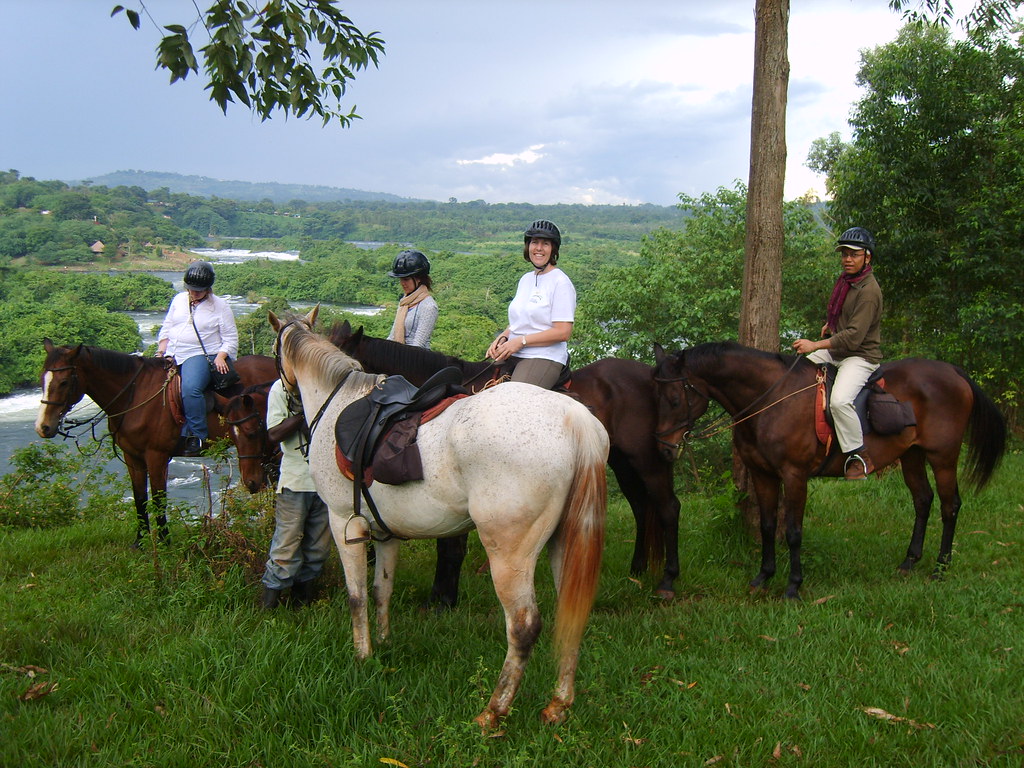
[(375, 436), (878, 410), (173, 395), (503, 372)]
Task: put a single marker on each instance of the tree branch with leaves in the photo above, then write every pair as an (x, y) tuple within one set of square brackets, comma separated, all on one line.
[(269, 56)]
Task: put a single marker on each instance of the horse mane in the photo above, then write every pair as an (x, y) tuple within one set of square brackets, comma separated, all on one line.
[(393, 356), (318, 353), (120, 362), (712, 351)]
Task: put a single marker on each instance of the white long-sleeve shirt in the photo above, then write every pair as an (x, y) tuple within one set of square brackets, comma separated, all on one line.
[(214, 321)]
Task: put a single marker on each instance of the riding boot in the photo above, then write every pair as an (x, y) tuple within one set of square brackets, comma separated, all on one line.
[(193, 446), (858, 465), (270, 598)]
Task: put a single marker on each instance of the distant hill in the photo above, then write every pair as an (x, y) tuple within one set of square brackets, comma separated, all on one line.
[(204, 186)]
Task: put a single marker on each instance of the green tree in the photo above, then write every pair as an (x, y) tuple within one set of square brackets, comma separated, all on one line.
[(936, 169), (684, 288), (263, 54)]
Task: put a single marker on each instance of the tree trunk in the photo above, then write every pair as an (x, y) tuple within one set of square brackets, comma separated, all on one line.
[(762, 269)]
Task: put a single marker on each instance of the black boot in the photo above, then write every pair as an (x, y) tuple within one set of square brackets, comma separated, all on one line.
[(193, 446), (270, 598)]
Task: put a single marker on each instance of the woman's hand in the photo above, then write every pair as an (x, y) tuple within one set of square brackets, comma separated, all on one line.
[(220, 362)]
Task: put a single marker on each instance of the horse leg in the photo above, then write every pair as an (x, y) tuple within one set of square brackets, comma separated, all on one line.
[(766, 488), (157, 465), (353, 562), (915, 477), (949, 504), (513, 581), (384, 584), (794, 503), (635, 494), (666, 501), (451, 552), (140, 494)]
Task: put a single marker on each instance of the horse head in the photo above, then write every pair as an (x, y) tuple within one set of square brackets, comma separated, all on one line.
[(61, 387), (344, 338), (246, 417), (680, 403)]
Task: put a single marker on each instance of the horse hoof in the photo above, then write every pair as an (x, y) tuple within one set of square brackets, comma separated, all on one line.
[(489, 721), (665, 594), (554, 713)]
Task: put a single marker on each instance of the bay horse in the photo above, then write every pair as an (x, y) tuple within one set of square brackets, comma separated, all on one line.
[(131, 390), (521, 464), (770, 399), (620, 393), (245, 414)]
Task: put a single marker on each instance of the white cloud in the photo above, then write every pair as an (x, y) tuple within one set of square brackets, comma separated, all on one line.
[(527, 156)]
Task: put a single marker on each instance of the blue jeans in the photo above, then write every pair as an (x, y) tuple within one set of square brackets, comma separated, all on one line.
[(301, 541), (195, 378)]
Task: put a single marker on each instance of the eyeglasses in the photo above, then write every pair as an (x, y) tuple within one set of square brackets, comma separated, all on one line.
[(848, 254)]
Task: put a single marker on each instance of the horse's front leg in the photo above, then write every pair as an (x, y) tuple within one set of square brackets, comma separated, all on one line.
[(384, 566), (353, 563), (667, 504), (766, 490), (794, 503)]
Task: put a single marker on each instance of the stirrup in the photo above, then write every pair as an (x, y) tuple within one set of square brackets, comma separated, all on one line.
[(356, 539)]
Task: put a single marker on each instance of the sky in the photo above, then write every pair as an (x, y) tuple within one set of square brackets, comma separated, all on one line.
[(527, 101)]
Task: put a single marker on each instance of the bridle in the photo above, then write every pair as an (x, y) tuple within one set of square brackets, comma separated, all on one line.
[(726, 420)]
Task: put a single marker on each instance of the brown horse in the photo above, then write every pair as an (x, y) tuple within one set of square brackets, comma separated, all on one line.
[(771, 398), (246, 416), (132, 391), (620, 393)]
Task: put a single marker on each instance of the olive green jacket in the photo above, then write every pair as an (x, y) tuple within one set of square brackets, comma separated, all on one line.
[(859, 333)]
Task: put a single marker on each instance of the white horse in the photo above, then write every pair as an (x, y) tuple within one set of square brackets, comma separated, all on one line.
[(522, 465)]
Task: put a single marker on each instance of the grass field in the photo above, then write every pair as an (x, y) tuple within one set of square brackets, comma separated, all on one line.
[(113, 657)]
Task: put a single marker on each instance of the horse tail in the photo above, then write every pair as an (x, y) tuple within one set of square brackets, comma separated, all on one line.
[(582, 533), (988, 436)]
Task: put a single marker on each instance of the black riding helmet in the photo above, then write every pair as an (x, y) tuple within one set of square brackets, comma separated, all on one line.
[(199, 276), (858, 238), (548, 231), (410, 264)]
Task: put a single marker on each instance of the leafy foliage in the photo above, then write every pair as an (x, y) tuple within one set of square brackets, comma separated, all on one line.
[(52, 485), (935, 169), (685, 286), (262, 55)]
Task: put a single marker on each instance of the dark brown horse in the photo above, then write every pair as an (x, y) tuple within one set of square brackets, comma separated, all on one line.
[(620, 393), (770, 399), (245, 415), (132, 392)]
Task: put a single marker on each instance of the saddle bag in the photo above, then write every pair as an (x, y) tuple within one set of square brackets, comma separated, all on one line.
[(221, 381), (889, 416)]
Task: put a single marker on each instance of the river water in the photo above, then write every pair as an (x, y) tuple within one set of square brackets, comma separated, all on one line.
[(185, 476)]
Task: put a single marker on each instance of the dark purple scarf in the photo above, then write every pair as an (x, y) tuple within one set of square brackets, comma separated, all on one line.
[(842, 287)]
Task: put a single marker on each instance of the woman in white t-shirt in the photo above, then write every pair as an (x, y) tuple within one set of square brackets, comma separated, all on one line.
[(541, 315)]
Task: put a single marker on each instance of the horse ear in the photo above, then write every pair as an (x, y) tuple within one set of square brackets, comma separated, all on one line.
[(48, 345), (311, 317), (346, 328), (358, 335), (272, 319), (77, 351), (220, 402), (659, 354)]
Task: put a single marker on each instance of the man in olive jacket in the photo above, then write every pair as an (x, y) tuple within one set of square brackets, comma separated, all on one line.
[(851, 339)]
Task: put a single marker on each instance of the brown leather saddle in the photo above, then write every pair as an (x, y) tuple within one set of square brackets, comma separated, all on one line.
[(878, 410)]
